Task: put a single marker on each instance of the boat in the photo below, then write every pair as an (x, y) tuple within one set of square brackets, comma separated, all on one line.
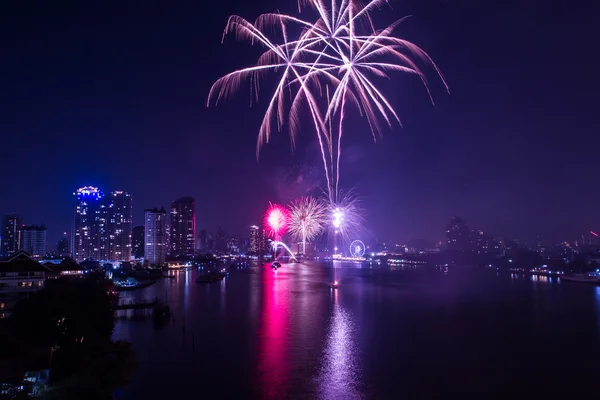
[(334, 285), (211, 276), (582, 278), (276, 264)]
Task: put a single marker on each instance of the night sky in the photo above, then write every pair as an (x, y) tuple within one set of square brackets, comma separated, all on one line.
[(115, 96)]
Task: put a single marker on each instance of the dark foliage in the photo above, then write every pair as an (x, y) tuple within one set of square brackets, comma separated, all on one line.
[(76, 318)]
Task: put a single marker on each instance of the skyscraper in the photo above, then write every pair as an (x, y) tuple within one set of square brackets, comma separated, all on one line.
[(138, 241), (63, 246), (88, 238), (155, 246), (33, 240), (183, 227), (10, 234), (101, 225), (220, 241), (118, 210), (254, 238)]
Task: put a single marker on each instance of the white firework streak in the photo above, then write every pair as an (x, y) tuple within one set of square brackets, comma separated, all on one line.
[(347, 217), (307, 219), (329, 66)]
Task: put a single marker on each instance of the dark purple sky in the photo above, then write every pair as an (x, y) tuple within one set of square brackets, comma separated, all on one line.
[(114, 96)]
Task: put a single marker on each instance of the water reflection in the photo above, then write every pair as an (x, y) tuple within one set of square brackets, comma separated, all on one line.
[(273, 359), (340, 376)]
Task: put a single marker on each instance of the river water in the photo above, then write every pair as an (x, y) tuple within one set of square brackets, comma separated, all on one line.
[(386, 333)]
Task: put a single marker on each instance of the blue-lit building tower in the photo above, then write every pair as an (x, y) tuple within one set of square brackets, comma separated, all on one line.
[(89, 235), (101, 225)]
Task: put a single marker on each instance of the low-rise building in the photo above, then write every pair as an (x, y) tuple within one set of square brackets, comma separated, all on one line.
[(20, 275)]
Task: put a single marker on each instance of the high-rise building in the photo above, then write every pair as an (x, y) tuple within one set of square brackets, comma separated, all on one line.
[(118, 210), (101, 225), (233, 245), (155, 243), (183, 228), (138, 241), (11, 225), (63, 246), (33, 240), (254, 238), (88, 237), (202, 242), (220, 241)]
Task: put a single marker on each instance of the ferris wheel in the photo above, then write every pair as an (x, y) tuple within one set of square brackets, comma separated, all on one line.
[(357, 248)]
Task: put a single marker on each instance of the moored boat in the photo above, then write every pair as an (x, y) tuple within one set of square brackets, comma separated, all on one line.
[(582, 278)]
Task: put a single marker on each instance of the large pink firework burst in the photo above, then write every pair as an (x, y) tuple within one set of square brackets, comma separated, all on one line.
[(276, 221)]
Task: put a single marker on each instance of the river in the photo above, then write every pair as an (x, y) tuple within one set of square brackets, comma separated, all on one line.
[(386, 333)]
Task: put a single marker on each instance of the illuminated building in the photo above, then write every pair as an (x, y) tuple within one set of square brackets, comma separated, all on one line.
[(63, 246), (155, 243), (233, 245), (138, 242), (118, 210), (20, 276), (183, 228), (259, 242), (89, 235), (254, 238), (10, 234), (101, 225), (33, 240)]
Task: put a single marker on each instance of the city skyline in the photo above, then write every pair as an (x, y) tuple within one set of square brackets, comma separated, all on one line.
[(493, 151)]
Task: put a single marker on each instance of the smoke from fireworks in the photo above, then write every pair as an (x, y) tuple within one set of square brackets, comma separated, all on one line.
[(276, 221), (328, 67), (307, 219)]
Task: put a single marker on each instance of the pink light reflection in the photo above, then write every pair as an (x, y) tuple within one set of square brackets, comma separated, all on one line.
[(274, 359)]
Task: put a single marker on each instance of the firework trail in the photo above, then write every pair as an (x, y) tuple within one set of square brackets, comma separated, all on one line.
[(327, 67), (276, 221), (307, 219)]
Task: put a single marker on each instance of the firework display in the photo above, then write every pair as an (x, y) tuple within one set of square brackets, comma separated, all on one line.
[(276, 221), (327, 65), (307, 219)]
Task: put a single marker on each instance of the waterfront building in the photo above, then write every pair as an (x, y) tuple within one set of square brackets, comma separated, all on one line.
[(118, 210), (138, 242), (183, 228), (10, 236), (64, 268), (101, 225), (88, 237), (233, 245), (20, 276), (254, 238), (33, 240), (62, 247), (155, 243)]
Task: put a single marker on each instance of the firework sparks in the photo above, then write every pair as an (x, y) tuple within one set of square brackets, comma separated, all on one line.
[(307, 219), (346, 216), (332, 64), (276, 221)]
